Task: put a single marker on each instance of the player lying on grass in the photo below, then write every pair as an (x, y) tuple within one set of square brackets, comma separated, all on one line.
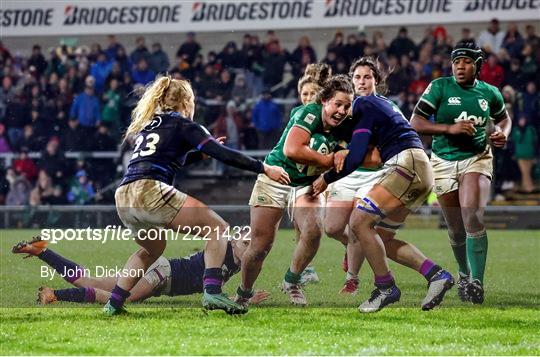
[(172, 277)]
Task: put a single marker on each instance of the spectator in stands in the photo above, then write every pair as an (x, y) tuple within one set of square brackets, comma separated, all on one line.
[(29, 141), (4, 187), (302, 55), (37, 60), (526, 151), (230, 57), (337, 45), (492, 72), (4, 144), (529, 65), (514, 77), (43, 189), (274, 61), (81, 191), (229, 124), (190, 48), (159, 60), (17, 116), (100, 71), (467, 35), (74, 137), (25, 166), (87, 109), (402, 45), (123, 60), (53, 161), (112, 48), (533, 40), (267, 119), (241, 90), (140, 52), (353, 49), (513, 41), (19, 192), (103, 140), (379, 45), (492, 38), (111, 107), (141, 74), (7, 93), (529, 104), (224, 85), (4, 53)]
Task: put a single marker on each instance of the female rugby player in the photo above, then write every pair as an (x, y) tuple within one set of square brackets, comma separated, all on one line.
[(404, 183), (463, 107), (270, 199), (167, 139)]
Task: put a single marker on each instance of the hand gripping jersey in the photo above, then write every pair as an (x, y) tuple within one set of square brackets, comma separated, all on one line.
[(307, 117), (451, 103), (187, 273), (380, 122), (171, 141)]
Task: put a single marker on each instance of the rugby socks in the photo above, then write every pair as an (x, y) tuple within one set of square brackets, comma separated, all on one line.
[(245, 294), (477, 247), (118, 297), (351, 276), (428, 269), (460, 252), (385, 281), (213, 280), (292, 278), (76, 295), (67, 269)]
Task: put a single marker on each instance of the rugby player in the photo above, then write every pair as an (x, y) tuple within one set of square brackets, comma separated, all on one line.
[(171, 277), (463, 108), (270, 199), (405, 182), (167, 139)]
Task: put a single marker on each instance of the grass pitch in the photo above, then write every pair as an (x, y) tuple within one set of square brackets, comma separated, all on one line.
[(506, 324)]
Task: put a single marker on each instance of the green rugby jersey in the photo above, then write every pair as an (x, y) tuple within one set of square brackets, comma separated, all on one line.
[(307, 117), (453, 103)]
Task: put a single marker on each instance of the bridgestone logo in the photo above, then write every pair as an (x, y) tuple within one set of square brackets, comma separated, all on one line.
[(454, 101)]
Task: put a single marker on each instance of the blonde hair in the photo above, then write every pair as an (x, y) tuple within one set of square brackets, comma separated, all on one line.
[(162, 95), (315, 73)]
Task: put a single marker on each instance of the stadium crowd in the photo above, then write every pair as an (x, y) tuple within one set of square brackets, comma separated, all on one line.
[(80, 99)]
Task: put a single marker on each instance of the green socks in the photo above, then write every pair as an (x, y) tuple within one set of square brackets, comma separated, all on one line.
[(292, 278), (460, 252), (477, 246)]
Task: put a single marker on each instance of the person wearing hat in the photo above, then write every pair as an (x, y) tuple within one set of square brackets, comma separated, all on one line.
[(81, 191), (462, 107)]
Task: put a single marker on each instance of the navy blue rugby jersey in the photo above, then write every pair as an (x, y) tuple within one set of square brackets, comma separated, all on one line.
[(379, 122), (171, 141), (187, 273)]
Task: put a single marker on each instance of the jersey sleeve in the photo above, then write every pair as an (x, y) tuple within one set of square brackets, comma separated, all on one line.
[(497, 107), (306, 118), (359, 142), (431, 97), (201, 139)]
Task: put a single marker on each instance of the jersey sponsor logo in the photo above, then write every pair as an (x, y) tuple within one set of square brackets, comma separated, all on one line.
[(310, 118), (156, 122), (483, 104), (478, 120), (454, 101)]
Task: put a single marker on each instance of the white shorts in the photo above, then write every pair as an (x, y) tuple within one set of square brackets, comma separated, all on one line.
[(448, 173), (158, 276), (269, 193), (355, 185)]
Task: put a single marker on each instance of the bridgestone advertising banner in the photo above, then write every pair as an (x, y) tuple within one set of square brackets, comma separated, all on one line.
[(58, 17)]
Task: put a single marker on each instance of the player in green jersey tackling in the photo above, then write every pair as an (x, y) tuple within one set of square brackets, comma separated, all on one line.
[(269, 201), (463, 107)]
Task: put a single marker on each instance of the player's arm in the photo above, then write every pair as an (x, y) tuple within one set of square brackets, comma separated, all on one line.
[(503, 122), (297, 149), (204, 142), (195, 155)]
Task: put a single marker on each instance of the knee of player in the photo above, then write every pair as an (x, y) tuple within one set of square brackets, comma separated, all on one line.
[(473, 219), (260, 251), (334, 230), (311, 233)]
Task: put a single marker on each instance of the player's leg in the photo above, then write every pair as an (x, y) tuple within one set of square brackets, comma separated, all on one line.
[(370, 210), (456, 233), (308, 218), (474, 195), (194, 213), (264, 223)]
